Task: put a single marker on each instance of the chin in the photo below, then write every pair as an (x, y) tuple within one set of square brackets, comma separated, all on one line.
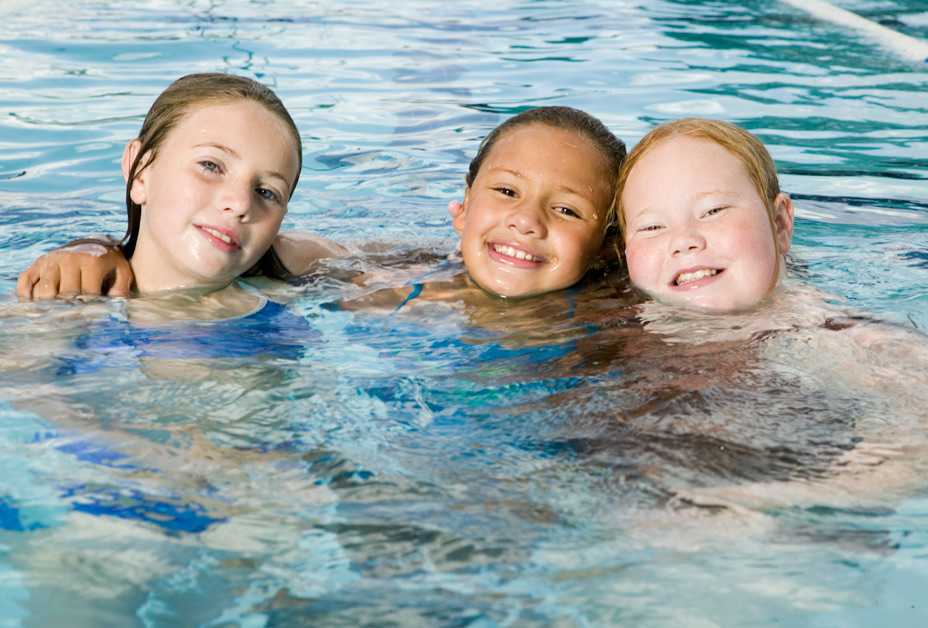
[(510, 293)]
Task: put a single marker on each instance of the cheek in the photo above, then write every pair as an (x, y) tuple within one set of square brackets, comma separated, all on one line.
[(580, 246), (760, 249), (472, 233), (593, 240), (173, 199), (640, 261), (270, 229)]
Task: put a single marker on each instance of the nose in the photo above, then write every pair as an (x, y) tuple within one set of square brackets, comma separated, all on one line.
[(237, 199), (527, 218), (687, 240)]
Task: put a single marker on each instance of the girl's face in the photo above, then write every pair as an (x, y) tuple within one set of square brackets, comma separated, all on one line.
[(214, 197), (697, 232), (533, 219)]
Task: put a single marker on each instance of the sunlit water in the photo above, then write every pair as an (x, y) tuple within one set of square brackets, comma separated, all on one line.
[(529, 463)]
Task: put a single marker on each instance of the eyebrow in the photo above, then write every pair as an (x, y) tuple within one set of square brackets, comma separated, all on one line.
[(565, 188), (715, 193), (701, 195), (629, 216), (230, 151)]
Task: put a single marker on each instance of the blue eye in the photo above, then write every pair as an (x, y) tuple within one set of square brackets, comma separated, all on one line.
[(210, 166), (268, 194)]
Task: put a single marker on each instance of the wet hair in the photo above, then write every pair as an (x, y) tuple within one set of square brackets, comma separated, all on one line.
[(609, 146), (745, 146), (172, 105)]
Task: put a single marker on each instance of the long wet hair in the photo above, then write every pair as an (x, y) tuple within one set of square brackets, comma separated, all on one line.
[(171, 106), (609, 146)]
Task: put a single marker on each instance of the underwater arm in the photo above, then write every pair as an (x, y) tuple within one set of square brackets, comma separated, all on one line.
[(893, 358), (883, 365), (92, 266)]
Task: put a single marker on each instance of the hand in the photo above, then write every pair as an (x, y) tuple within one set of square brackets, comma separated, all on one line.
[(89, 268)]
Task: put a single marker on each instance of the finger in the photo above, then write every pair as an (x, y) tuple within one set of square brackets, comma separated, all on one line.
[(69, 283), (122, 284), (24, 284), (92, 279), (47, 286)]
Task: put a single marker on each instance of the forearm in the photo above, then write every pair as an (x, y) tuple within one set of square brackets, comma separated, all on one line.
[(294, 254)]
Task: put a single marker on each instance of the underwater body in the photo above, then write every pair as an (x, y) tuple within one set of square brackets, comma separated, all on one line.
[(576, 459)]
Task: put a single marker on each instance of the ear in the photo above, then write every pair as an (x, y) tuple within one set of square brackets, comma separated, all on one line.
[(129, 154), (459, 219), (782, 222)]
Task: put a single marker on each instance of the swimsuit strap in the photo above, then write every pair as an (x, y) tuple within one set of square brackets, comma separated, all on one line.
[(571, 294), (419, 285), (415, 292)]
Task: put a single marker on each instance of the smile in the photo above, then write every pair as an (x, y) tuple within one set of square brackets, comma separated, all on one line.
[(220, 238), (689, 277), (510, 254)]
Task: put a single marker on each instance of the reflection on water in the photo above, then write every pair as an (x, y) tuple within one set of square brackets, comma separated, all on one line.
[(570, 459), (395, 452)]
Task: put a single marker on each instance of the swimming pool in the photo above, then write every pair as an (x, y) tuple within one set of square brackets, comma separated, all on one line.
[(450, 467)]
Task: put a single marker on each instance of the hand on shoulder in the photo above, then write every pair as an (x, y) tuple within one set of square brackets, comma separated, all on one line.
[(84, 267)]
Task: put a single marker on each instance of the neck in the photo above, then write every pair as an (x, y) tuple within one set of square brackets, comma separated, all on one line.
[(154, 272)]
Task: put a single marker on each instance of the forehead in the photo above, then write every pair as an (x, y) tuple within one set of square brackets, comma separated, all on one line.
[(233, 116), (691, 162), (525, 141), (246, 126), (688, 149), (552, 154)]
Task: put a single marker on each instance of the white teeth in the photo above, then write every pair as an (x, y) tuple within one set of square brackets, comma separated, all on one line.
[(696, 275), (218, 234), (510, 251)]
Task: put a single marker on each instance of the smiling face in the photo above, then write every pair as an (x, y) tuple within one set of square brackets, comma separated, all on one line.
[(214, 197), (697, 232), (534, 216)]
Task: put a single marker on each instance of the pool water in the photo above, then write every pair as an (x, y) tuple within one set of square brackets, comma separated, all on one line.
[(523, 464)]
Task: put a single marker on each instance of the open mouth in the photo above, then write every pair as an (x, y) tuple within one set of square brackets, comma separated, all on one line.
[(512, 255), (220, 238), (693, 277)]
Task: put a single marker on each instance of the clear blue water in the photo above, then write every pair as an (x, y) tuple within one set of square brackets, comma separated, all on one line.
[(449, 467)]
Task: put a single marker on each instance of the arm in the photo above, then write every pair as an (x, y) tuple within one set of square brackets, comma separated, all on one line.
[(299, 251), (91, 266), (96, 266), (883, 365)]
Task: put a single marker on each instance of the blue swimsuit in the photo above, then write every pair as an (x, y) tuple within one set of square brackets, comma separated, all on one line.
[(272, 331)]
